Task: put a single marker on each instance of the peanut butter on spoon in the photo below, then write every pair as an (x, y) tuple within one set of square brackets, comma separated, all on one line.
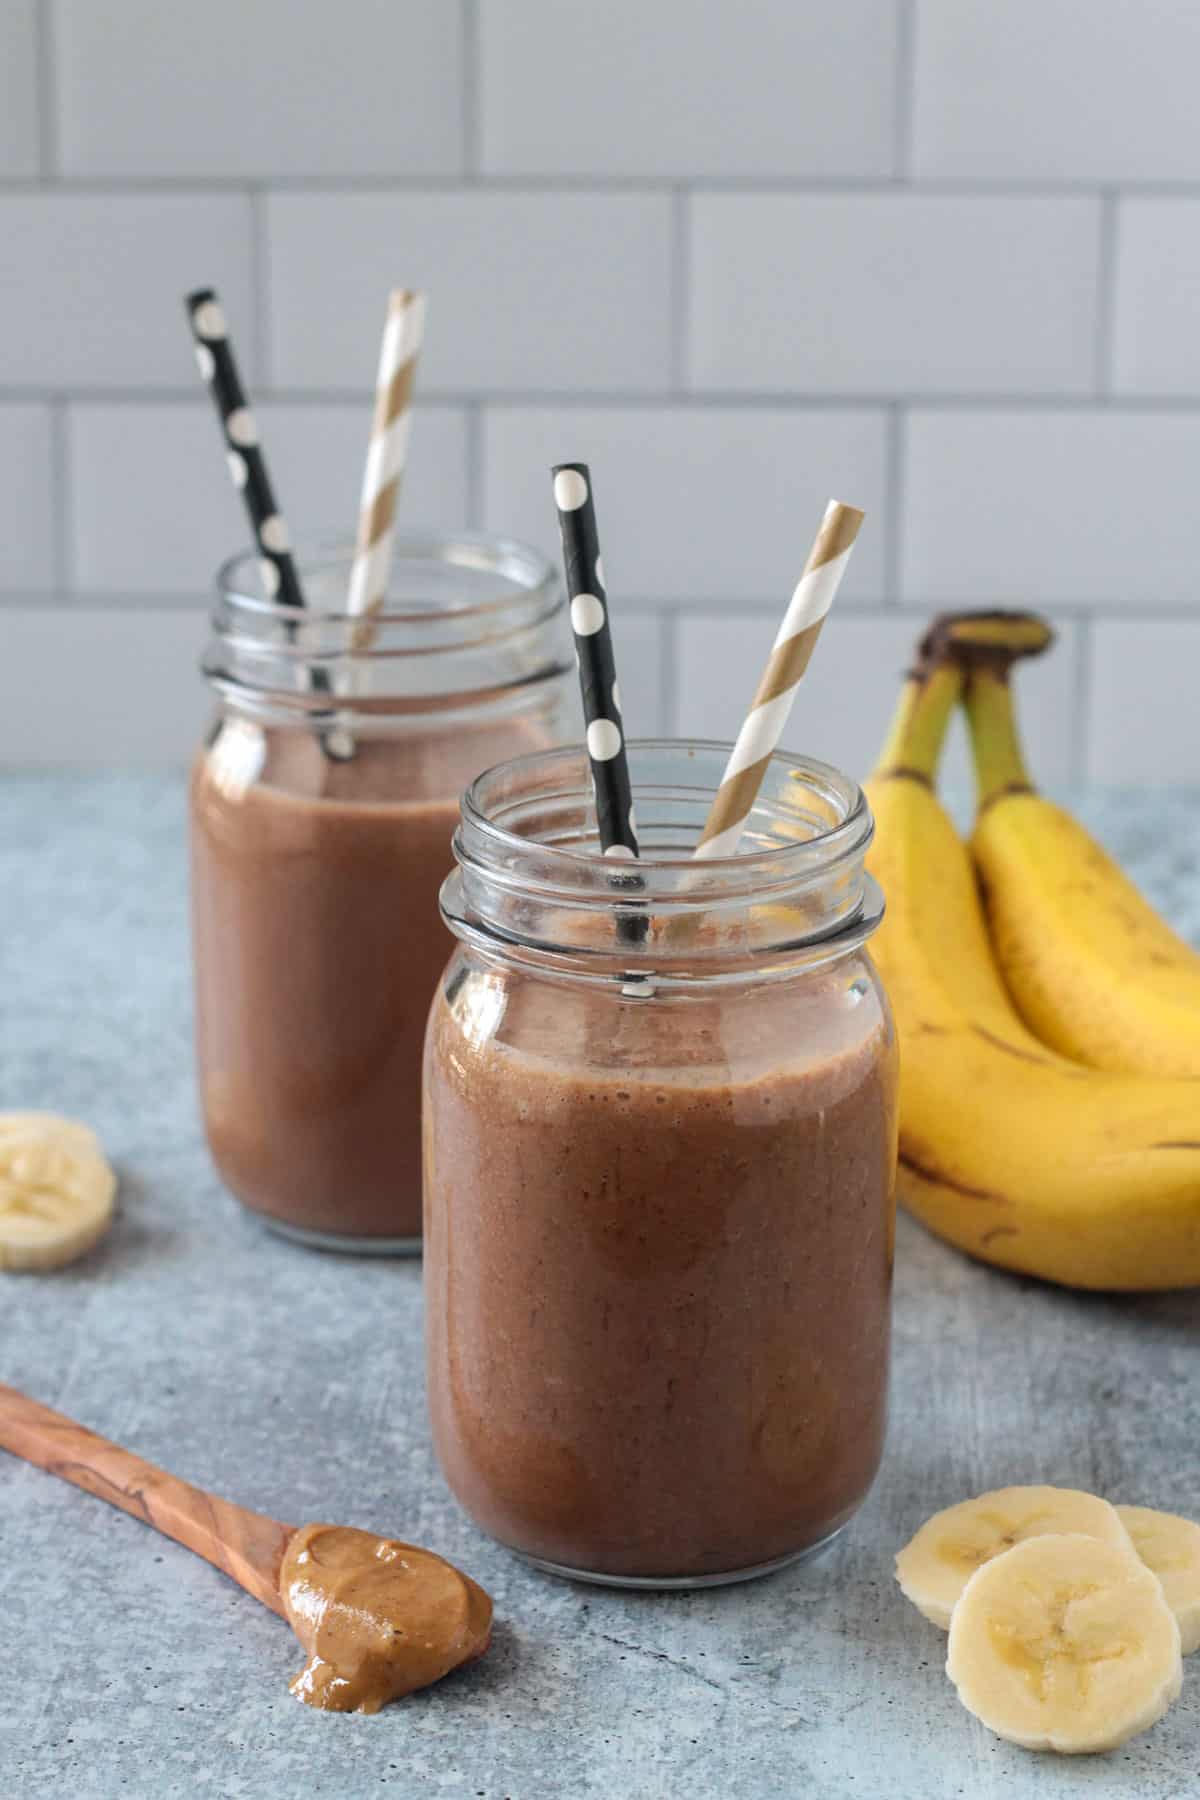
[(377, 1618)]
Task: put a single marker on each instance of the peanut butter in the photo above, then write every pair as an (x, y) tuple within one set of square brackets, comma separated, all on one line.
[(378, 1618)]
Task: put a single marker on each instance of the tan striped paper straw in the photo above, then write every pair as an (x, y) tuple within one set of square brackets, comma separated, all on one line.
[(386, 455), (790, 653)]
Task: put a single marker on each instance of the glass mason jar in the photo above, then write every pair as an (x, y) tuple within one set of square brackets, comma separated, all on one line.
[(660, 1147), (322, 807)]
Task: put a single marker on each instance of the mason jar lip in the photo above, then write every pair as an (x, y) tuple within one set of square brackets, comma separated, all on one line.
[(540, 593), (481, 842)]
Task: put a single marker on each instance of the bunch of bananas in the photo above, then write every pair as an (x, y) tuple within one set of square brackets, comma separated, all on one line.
[(1049, 1021)]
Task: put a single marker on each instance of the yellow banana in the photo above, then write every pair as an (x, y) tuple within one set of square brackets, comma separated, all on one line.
[(1008, 1150), (1092, 968)]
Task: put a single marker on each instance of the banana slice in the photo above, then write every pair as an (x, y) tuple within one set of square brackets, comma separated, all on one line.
[(56, 1190), (17, 1127), (1171, 1547), (935, 1567), (1065, 1643)]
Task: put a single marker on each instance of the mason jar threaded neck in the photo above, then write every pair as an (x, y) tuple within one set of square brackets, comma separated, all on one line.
[(469, 620), (532, 880)]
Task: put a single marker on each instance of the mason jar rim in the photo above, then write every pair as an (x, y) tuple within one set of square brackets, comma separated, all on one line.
[(537, 583), (799, 902), (476, 623), (848, 836)]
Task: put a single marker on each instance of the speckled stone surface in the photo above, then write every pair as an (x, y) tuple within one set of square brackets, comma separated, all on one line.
[(292, 1383)]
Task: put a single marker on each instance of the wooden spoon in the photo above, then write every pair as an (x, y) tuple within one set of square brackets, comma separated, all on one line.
[(378, 1618), (235, 1540)]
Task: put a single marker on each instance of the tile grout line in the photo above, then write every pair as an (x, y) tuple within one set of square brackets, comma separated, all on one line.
[(168, 396), (1106, 293), (45, 64), (904, 92), (481, 183), (679, 301), (649, 400)]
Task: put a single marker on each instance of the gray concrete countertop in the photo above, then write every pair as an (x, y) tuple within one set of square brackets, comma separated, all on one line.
[(292, 1383)]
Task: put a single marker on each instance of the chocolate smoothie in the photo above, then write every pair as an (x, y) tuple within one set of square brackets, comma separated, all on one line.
[(317, 945), (658, 1264)]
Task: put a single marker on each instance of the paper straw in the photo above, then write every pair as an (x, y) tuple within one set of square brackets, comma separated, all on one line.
[(243, 453), (386, 456), (790, 653), (594, 651)]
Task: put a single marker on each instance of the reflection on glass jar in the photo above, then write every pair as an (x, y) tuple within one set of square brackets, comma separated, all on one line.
[(322, 807), (660, 1145)]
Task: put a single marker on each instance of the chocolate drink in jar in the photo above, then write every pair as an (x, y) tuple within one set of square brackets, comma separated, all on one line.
[(660, 1177), (320, 836)]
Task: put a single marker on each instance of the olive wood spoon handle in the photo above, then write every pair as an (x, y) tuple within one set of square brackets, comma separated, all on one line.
[(241, 1543)]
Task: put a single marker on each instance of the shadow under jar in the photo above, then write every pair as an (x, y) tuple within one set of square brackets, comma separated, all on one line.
[(660, 1147), (322, 807)]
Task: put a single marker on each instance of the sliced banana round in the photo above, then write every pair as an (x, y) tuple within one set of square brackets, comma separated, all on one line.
[(1170, 1546), (19, 1127), (1065, 1643), (935, 1567), (56, 1190)]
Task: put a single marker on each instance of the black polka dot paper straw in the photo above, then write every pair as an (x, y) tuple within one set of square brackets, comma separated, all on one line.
[(605, 732), (248, 470), (597, 672)]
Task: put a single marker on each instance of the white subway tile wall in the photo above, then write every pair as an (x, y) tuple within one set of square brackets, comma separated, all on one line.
[(1092, 509), (154, 507), (528, 290), (28, 541), (18, 88), (712, 504), (226, 89), (1056, 90), (626, 88), (894, 293), (940, 259), (115, 687), (92, 284), (1143, 694), (1156, 344)]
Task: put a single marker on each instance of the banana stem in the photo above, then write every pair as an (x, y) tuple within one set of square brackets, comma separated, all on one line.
[(1000, 767), (913, 745)]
